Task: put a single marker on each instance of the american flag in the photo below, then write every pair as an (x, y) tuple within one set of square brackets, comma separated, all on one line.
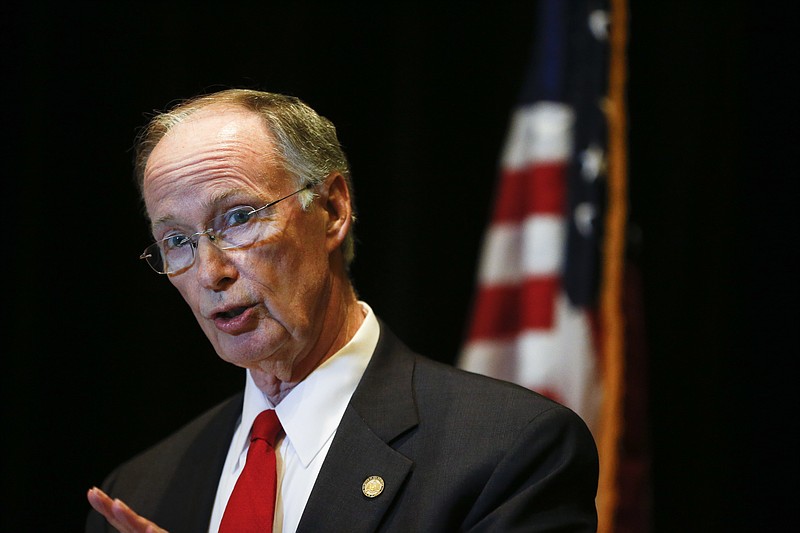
[(541, 316), (534, 311)]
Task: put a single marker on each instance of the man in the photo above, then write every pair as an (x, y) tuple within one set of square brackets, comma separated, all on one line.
[(249, 198)]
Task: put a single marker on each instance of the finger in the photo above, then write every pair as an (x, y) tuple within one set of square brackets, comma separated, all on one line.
[(119, 515), (104, 505), (125, 515), (134, 522)]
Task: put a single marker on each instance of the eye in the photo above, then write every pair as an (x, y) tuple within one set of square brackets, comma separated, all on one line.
[(175, 242), (238, 216)]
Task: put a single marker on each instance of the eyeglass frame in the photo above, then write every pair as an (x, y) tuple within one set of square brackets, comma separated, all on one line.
[(212, 234)]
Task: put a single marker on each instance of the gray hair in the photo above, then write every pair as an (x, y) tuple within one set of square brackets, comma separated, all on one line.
[(307, 145)]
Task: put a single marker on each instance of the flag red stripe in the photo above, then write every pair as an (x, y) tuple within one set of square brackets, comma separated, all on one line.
[(537, 188), (503, 311)]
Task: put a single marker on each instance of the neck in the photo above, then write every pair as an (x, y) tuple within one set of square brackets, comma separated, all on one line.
[(340, 323)]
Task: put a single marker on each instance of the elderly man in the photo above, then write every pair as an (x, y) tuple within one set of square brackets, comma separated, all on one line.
[(249, 199)]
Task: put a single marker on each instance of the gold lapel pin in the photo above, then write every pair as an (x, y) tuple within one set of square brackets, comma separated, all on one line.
[(372, 486)]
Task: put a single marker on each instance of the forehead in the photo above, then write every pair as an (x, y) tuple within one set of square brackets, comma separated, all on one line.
[(213, 126), (217, 148)]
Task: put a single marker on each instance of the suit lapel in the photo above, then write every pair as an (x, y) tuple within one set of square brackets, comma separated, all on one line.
[(189, 499), (382, 409)]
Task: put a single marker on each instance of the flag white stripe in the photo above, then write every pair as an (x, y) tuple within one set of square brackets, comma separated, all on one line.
[(512, 252), (557, 360), (539, 132)]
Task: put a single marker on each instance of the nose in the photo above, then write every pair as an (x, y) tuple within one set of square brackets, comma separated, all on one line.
[(214, 268)]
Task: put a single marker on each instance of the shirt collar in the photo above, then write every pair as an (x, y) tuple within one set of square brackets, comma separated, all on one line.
[(311, 412)]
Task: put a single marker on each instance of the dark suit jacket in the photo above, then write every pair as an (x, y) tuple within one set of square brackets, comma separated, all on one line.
[(457, 452)]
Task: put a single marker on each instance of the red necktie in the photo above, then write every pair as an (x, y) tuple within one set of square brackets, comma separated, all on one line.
[(251, 507)]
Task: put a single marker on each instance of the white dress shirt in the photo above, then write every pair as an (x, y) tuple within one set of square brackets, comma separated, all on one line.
[(309, 414)]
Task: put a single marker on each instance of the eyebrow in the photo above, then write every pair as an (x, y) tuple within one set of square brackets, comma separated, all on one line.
[(210, 204)]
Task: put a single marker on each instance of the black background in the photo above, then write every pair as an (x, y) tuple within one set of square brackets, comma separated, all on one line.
[(104, 358)]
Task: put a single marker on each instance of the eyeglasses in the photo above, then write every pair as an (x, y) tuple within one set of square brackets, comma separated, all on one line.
[(237, 228)]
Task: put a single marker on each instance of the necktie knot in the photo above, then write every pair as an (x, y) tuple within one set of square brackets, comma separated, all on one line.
[(266, 427)]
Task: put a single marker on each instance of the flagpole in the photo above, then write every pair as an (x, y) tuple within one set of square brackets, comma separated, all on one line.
[(611, 314)]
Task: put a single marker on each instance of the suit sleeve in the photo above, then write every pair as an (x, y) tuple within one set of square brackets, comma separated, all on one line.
[(546, 482)]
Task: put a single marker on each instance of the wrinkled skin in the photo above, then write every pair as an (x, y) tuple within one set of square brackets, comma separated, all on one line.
[(280, 307)]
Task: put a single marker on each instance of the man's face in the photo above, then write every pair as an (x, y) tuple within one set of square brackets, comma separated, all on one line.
[(262, 307)]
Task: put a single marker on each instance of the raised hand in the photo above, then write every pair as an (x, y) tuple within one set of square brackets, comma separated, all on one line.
[(119, 515)]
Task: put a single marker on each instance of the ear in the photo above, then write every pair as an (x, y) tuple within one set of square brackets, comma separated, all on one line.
[(339, 211)]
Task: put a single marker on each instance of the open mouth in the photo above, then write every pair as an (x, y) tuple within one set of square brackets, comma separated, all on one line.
[(232, 313)]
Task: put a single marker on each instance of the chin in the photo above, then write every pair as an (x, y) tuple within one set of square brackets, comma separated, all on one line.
[(240, 351), (242, 359)]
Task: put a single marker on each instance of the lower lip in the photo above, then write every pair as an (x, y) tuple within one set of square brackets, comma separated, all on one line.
[(238, 324)]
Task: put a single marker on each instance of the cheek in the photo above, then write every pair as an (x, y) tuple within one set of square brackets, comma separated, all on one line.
[(301, 272), (293, 278), (192, 299), (185, 288), (180, 285), (283, 265)]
